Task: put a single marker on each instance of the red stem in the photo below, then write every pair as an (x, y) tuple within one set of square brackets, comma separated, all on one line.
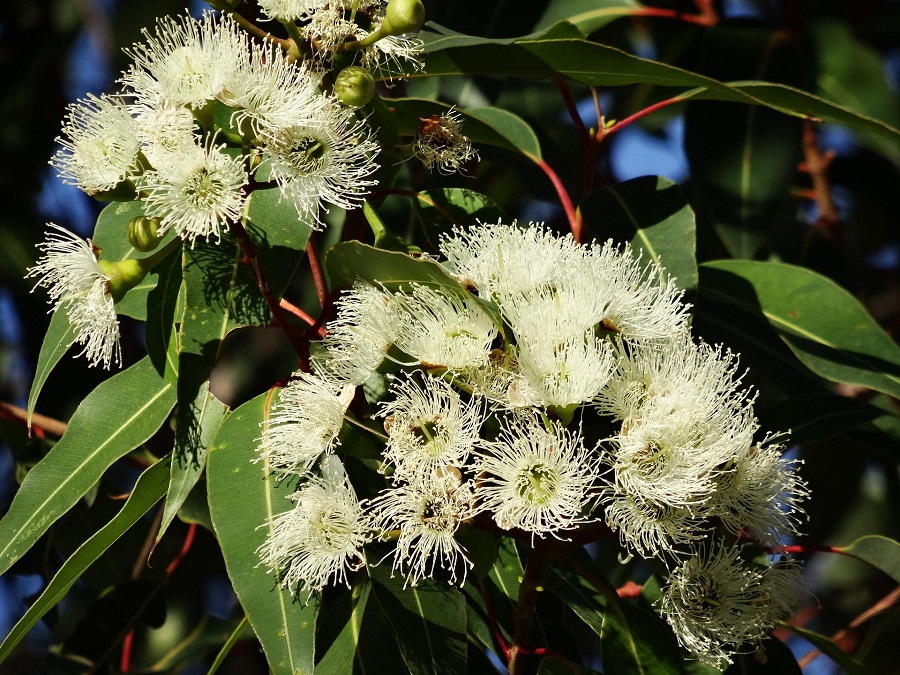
[(573, 111), (300, 314), (572, 216), (603, 133), (492, 618), (703, 19), (809, 548), (185, 547), (318, 274)]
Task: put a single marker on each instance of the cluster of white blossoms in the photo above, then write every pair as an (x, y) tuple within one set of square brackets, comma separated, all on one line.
[(205, 115), (493, 382)]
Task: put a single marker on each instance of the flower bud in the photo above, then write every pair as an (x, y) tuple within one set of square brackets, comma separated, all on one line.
[(122, 276), (403, 16), (142, 233), (354, 86)]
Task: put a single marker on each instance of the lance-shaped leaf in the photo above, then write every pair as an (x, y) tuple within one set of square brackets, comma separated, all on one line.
[(828, 647), (243, 498), (825, 326), (652, 213), (59, 337), (601, 65), (188, 467), (428, 621), (588, 15), (119, 415), (149, 489), (554, 665), (880, 552), (443, 208)]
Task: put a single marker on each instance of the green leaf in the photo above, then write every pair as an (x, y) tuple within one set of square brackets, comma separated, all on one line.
[(587, 15), (778, 661), (165, 308), (600, 65), (828, 647), (552, 665), (243, 497), (880, 552), (238, 633), (188, 467), (815, 418), (510, 126), (428, 621), (111, 236), (384, 238), (652, 213), (343, 653), (632, 639), (841, 344), (351, 261), (119, 415), (60, 336), (149, 489), (852, 73), (443, 208), (743, 159)]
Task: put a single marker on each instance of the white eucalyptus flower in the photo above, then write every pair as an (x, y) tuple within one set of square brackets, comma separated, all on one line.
[(651, 529), (327, 161), (359, 338), (442, 329), (272, 93), (291, 10), (537, 480), (427, 515), (430, 427), (440, 144), (719, 606), (505, 260), (305, 422), (70, 272), (197, 191), (164, 129), (100, 144), (321, 539), (759, 492), (187, 61)]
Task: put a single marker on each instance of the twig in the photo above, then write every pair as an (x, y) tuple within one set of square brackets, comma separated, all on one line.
[(492, 619), (528, 594), (603, 133), (816, 164), (300, 314), (14, 413), (318, 274), (574, 217)]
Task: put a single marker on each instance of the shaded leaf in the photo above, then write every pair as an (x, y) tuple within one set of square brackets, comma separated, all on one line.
[(243, 497), (428, 621), (119, 415), (187, 469), (828, 647), (149, 489), (880, 552), (517, 132), (587, 15), (343, 654), (842, 344), (813, 418), (443, 208), (652, 213), (552, 665)]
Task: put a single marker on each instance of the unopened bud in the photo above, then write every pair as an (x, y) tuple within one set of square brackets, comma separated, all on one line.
[(122, 276), (142, 233), (354, 86), (403, 16)]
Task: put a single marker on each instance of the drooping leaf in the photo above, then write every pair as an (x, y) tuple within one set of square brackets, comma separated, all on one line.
[(852, 73), (587, 15), (743, 159), (59, 337), (880, 552), (165, 309), (342, 656), (428, 621), (149, 489), (517, 132), (652, 213), (828, 647), (813, 418), (842, 344), (243, 497), (188, 467), (119, 415), (601, 65)]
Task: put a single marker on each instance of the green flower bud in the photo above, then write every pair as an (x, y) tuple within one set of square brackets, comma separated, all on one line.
[(354, 86), (122, 276), (142, 233), (403, 16)]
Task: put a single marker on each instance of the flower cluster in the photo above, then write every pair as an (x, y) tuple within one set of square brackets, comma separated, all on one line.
[(490, 383)]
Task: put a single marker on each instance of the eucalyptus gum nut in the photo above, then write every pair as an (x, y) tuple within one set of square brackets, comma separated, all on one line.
[(122, 276), (354, 86), (142, 233), (403, 16)]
